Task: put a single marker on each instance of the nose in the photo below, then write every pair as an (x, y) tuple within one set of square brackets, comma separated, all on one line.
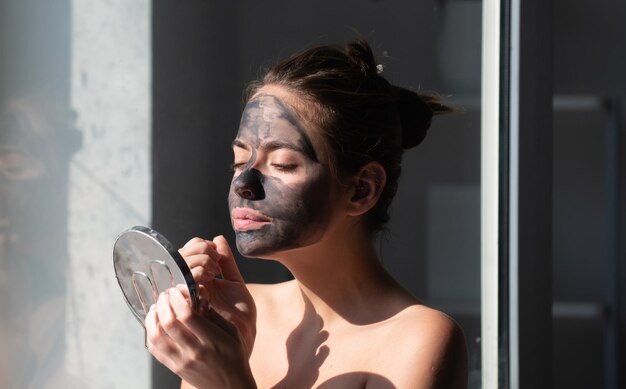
[(249, 185)]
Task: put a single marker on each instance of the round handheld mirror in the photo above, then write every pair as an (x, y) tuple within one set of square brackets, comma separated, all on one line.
[(147, 264)]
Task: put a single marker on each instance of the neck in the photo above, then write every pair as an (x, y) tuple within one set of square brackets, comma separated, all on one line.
[(342, 278)]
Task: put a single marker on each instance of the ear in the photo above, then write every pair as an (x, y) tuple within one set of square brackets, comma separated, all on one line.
[(366, 188)]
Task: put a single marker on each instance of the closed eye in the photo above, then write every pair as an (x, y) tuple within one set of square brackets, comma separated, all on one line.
[(289, 167), (237, 165)]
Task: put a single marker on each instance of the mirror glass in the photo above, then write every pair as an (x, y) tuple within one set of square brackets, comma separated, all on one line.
[(147, 264)]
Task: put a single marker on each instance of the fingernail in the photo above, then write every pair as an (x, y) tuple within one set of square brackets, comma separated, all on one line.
[(152, 307)]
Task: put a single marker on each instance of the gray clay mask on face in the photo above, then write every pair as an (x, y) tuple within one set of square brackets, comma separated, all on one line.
[(279, 196)]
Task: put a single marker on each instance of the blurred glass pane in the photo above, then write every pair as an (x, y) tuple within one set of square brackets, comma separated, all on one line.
[(74, 171)]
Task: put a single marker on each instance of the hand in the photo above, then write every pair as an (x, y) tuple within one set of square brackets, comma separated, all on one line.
[(228, 295), (209, 348)]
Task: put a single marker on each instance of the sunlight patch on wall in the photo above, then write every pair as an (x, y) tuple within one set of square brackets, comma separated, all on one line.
[(109, 186)]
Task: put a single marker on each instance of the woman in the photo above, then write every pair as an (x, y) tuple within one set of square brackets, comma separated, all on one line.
[(316, 164)]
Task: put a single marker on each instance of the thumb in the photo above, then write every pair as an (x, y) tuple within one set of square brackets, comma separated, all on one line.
[(230, 271)]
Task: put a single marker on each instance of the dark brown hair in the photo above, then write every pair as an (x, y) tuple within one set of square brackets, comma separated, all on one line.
[(362, 116)]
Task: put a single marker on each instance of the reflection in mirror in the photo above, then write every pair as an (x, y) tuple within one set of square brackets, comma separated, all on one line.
[(144, 289)]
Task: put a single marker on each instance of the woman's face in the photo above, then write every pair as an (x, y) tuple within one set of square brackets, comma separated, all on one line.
[(280, 195)]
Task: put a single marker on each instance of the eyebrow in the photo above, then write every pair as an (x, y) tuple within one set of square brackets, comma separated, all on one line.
[(240, 144), (275, 145), (278, 144)]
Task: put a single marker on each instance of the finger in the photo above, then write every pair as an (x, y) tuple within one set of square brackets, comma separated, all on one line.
[(193, 241), (194, 260), (204, 298), (202, 249), (154, 332), (204, 260), (230, 271), (202, 275), (222, 323), (157, 342), (185, 292), (196, 246), (209, 327), (205, 295), (171, 325), (202, 329)]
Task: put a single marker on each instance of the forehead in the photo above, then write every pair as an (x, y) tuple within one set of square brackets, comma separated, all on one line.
[(266, 117)]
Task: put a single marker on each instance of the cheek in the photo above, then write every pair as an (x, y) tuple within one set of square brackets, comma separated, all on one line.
[(306, 203), (300, 211)]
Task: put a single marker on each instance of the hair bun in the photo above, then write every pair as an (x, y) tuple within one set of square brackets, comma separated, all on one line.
[(415, 117), (361, 54)]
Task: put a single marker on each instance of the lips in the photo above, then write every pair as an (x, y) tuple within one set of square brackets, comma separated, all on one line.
[(248, 219)]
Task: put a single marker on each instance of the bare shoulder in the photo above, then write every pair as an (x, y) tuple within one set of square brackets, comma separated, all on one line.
[(426, 325), (426, 348)]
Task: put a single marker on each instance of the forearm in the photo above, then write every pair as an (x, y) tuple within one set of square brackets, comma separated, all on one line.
[(245, 385), (239, 381)]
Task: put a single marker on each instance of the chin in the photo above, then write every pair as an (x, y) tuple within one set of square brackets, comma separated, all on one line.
[(265, 243), (251, 246)]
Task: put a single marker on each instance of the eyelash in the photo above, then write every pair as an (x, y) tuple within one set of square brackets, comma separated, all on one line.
[(235, 166), (280, 167), (285, 167)]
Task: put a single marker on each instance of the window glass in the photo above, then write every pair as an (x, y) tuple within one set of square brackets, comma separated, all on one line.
[(74, 171)]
